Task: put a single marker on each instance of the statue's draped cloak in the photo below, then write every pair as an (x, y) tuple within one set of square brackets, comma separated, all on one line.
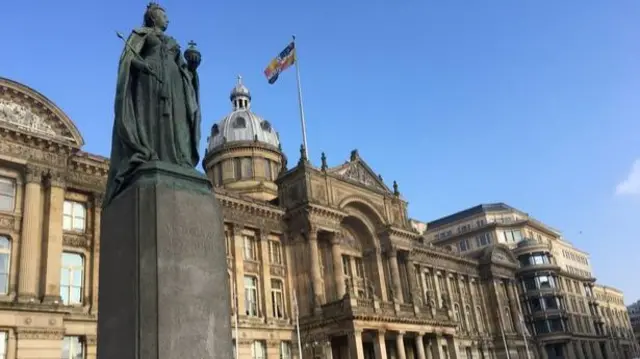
[(154, 120)]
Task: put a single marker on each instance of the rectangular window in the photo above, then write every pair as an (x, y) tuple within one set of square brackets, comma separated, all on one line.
[(5, 263), (7, 194), (72, 348), (277, 298), (463, 245), (217, 171), (285, 350), (359, 267), (275, 252), (249, 244), (258, 350), (346, 266), (247, 167), (3, 345), (71, 278), (251, 296), (237, 168), (267, 170), (74, 216)]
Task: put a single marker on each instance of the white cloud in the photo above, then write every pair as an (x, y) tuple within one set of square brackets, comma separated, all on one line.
[(631, 185)]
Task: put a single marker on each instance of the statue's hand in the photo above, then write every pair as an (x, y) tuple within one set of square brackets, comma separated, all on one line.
[(142, 66)]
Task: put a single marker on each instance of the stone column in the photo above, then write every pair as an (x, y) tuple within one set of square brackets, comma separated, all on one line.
[(420, 346), (379, 345), (97, 216), (571, 354), (474, 314), (91, 346), (436, 347), (381, 275), (595, 347), (53, 238), (266, 274), (356, 351), (395, 273), (31, 235), (316, 275), (452, 347), (448, 277), (338, 270), (238, 260), (402, 354)]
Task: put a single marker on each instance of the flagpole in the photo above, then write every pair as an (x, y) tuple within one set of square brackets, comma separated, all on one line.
[(302, 121), (295, 305)]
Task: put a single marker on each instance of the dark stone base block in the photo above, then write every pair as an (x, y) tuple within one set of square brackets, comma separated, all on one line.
[(164, 290)]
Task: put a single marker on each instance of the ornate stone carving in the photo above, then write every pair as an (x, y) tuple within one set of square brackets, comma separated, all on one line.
[(7, 221), (34, 174), (39, 333), (24, 119), (277, 271), (357, 172), (55, 178), (76, 240)]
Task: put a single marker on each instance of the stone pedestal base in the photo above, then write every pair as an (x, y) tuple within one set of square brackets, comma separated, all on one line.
[(164, 291)]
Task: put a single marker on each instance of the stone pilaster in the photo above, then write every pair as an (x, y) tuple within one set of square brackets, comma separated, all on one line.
[(452, 347), (53, 240), (338, 270), (95, 268), (436, 283), (266, 274), (395, 274), (316, 276), (381, 275), (238, 259), (31, 235), (436, 347), (513, 305)]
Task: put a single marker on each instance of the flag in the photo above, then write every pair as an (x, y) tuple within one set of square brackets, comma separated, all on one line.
[(283, 61)]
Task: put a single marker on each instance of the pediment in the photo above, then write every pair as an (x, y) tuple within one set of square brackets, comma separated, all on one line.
[(25, 110), (500, 254), (357, 170)]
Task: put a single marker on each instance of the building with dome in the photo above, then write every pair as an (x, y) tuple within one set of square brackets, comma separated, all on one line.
[(333, 244)]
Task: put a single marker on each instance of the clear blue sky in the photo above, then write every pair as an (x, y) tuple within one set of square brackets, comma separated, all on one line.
[(534, 103)]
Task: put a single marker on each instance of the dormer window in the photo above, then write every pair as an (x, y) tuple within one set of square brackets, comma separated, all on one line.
[(266, 126), (240, 122)]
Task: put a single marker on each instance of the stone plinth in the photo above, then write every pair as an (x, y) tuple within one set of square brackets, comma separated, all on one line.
[(164, 291)]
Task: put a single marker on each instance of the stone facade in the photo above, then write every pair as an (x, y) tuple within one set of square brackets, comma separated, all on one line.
[(332, 244)]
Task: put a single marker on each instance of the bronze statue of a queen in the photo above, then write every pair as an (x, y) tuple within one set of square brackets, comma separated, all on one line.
[(157, 105)]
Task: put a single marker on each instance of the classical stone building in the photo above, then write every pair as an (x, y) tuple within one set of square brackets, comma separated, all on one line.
[(634, 316), (616, 318), (332, 244)]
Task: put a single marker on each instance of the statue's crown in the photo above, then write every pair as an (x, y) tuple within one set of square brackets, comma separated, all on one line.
[(154, 5)]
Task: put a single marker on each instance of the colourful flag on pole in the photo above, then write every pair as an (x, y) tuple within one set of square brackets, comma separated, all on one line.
[(283, 61)]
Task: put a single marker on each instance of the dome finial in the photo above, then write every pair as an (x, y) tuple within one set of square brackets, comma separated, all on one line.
[(240, 96)]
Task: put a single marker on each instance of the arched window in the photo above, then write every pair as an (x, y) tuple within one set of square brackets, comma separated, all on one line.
[(479, 319), (470, 322), (5, 263), (456, 312)]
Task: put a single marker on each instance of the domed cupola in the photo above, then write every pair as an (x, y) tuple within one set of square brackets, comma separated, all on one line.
[(243, 151)]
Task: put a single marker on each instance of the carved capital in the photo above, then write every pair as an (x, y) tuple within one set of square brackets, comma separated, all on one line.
[(33, 174), (55, 178), (92, 339), (334, 238), (312, 233), (237, 228), (98, 198), (392, 252)]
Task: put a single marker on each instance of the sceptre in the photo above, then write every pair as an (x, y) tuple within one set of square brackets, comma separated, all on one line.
[(126, 43)]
